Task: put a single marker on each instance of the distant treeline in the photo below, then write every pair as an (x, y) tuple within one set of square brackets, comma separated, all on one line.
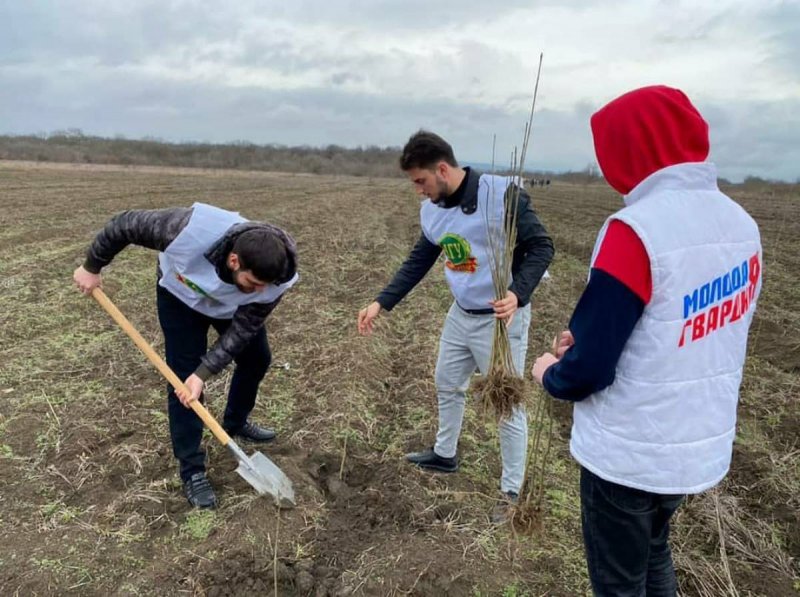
[(74, 146)]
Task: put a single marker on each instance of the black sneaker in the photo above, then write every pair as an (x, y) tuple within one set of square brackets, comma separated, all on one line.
[(199, 491), (429, 459), (253, 433), (504, 506)]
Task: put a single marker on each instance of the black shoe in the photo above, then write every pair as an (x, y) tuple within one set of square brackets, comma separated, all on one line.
[(199, 491), (431, 460), (253, 433)]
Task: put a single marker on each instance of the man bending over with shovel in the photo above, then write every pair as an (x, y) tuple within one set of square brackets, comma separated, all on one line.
[(215, 269)]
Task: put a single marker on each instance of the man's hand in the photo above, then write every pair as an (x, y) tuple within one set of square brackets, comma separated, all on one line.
[(541, 365), (195, 386), (86, 281), (562, 343), (366, 317), (505, 308)]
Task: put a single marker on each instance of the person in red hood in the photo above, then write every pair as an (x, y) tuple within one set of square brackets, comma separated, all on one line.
[(654, 354)]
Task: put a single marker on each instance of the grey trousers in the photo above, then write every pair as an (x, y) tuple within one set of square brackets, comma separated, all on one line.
[(466, 344)]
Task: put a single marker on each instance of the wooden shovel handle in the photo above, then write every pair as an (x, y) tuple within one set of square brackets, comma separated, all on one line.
[(154, 358)]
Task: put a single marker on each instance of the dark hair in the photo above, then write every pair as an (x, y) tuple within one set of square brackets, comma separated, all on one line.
[(424, 150), (263, 253)]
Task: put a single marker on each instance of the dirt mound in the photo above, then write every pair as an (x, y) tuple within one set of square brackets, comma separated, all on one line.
[(364, 503)]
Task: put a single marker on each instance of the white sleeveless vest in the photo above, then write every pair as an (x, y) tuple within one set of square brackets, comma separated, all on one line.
[(667, 422), (191, 278), (465, 242)]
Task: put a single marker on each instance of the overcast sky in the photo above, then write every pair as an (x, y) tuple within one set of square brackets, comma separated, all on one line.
[(371, 72)]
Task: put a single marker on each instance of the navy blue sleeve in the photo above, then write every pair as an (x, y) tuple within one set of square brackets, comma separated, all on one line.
[(419, 262), (601, 324)]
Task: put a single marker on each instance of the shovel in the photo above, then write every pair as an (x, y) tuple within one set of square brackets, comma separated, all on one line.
[(258, 470)]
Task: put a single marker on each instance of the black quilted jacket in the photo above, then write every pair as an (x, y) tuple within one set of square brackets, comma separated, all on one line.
[(156, 229)]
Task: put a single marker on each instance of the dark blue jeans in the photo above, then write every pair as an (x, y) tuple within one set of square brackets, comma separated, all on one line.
[(626, 533), (186, 340)]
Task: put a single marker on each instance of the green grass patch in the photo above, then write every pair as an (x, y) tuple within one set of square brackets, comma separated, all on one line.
[(199, 524)]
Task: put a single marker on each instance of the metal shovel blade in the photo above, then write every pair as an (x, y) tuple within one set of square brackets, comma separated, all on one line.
[(264, 476), (259, 471)]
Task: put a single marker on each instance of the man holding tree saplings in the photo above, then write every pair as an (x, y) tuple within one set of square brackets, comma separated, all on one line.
[(453, 216)]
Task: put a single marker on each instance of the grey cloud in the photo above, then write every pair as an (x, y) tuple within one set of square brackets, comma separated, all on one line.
[(782, 26), (122, 32), (111, 33), (342, 78), (688, 29), (755, 138), (180, 34), (412, 14)]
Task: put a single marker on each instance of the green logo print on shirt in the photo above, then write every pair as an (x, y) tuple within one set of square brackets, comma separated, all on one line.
[(457, 250), (187, 282)]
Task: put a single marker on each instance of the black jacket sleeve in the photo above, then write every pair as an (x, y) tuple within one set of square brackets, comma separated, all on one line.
[(533, 252), (245, 323), (417, 264), (150, 228), (601, 324)]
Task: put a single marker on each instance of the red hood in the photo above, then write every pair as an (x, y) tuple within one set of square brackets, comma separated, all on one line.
[(646, 130)]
